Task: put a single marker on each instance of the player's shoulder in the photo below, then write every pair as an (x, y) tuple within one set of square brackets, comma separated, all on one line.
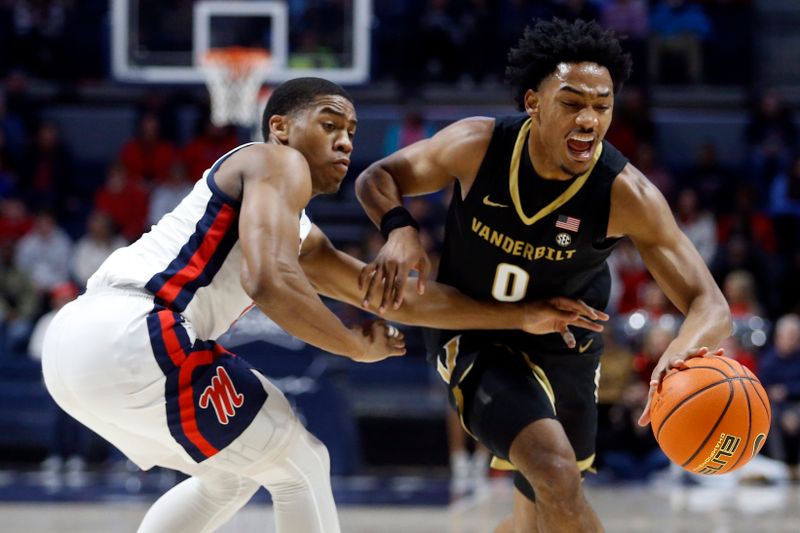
[(635, 203), (632, 185), (470, 129), (281, 166)]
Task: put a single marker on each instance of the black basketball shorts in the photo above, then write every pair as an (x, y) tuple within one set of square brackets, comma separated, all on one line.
[(500, 390)]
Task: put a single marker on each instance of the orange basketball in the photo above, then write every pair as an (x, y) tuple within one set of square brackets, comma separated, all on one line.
[(712, 417)]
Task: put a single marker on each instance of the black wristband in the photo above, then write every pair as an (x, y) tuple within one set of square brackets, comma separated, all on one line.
[(397, 217)]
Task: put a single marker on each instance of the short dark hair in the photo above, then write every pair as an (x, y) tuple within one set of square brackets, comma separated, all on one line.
[(545, 44), (294, 95)]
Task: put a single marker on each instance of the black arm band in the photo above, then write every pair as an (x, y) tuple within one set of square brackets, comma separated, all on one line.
[(397, 217)]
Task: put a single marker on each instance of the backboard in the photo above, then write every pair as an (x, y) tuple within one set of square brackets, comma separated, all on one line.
[(163, 41)]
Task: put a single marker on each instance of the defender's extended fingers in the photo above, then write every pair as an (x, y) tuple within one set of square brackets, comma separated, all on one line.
[(367, 271), (399, 286), (424, 269), (388, 286), (596, 313), (372, 287), (563, 315), (582, 322), (579, 307), (569, 338)]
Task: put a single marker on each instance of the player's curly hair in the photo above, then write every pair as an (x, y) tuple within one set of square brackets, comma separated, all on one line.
[(545, 44), (297, 94)]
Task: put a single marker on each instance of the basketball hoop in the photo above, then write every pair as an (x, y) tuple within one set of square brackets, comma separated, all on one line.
[(234, 76)]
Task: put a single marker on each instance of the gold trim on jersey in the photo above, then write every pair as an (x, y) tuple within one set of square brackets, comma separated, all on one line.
[(501, 464), (497, 463), (586, 464), (446, 372), (459, 397), (451, 351), (541, 377), (564, 197)]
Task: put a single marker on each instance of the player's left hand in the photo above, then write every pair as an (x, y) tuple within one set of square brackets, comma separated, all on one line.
[(667, 363), (556, 315)]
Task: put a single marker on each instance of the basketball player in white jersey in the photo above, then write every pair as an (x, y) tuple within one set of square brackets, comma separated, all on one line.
[(135, 359)]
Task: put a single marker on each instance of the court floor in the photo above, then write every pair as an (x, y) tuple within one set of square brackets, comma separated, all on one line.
[(623, 509)]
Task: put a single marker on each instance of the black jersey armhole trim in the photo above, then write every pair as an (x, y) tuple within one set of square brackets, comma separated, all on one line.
[(212, 184)]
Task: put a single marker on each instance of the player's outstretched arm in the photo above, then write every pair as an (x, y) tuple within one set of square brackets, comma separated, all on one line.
[(639, 211), (273, 196), (423, 167), (335, 274)]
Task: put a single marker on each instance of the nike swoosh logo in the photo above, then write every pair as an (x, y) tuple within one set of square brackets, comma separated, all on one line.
[(583, 347), (490, 203)]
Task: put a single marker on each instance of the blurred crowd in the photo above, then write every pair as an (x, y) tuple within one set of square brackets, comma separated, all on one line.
[(672, 41), (57, 225)]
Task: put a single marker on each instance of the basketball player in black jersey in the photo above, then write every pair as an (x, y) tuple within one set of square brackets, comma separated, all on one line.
[(540, 202)]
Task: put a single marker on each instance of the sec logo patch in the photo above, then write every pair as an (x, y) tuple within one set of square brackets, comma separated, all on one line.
[(563, 239)]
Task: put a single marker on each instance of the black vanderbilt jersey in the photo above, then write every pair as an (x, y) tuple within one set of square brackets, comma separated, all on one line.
[(518, 237)]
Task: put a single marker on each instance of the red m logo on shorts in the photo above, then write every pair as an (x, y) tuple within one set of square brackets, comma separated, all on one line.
[(222, 395)]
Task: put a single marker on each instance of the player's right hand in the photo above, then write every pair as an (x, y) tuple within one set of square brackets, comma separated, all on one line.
[(667, 362), (556, 315), (380, 340), (388, 272)]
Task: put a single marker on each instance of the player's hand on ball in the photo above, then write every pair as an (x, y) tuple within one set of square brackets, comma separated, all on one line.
[(556, 315), (381, 340), (667, 363), (389, 271)]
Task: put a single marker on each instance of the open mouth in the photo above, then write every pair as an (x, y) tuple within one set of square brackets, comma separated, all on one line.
[(581, 147)]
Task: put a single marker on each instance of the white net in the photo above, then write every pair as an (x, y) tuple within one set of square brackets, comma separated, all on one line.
[(233, 77)]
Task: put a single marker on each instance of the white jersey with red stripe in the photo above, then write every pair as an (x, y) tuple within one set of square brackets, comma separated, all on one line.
[(191, 260)]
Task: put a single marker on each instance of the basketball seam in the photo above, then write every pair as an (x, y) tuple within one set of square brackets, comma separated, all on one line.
[(734, 369), (764, 404), (716, 424), (749, 427), (691, 367), (658, 431), (695, 393), (739, 372)]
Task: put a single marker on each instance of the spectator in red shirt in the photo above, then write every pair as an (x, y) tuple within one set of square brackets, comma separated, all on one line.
[(206, 147), (15, 220), (629, 276), (746, 219), (147, 157), (125, 201), (46, 180)]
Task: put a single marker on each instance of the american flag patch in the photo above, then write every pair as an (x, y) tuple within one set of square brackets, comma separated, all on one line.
[(568, 223)]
